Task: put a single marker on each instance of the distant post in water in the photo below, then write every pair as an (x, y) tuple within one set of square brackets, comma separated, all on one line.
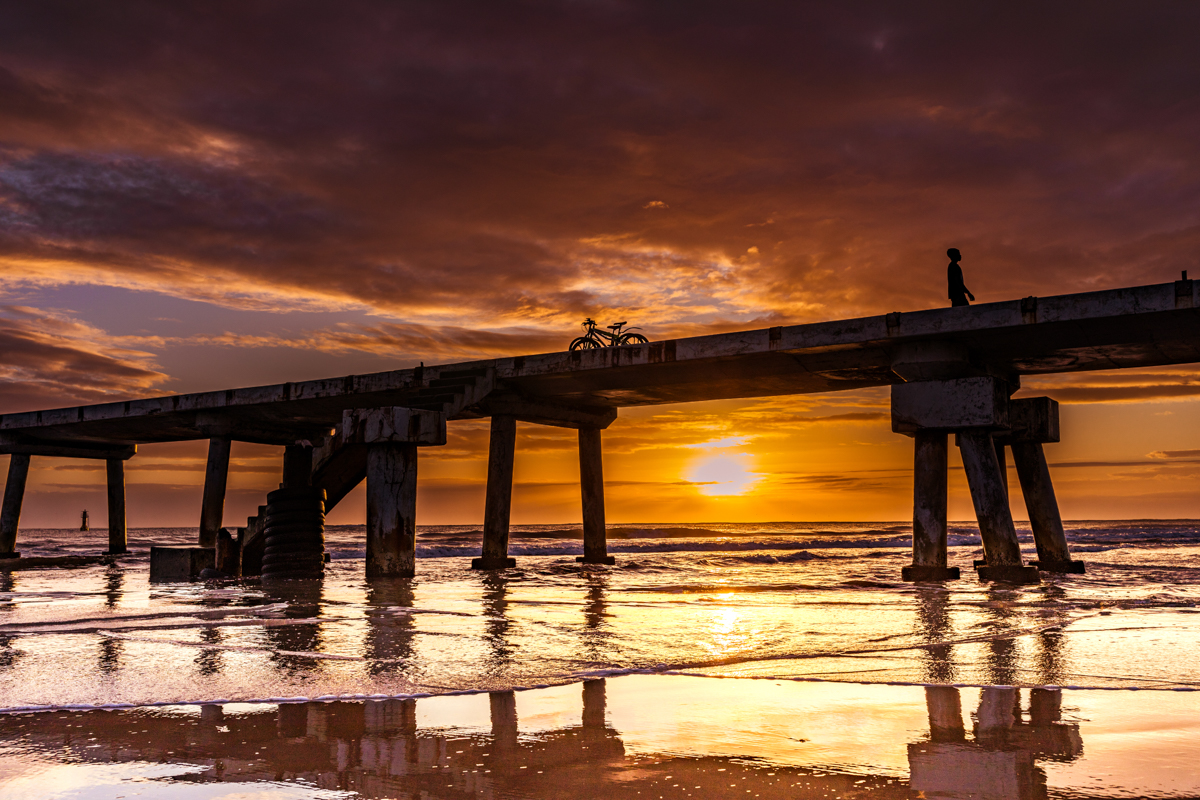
[(83, 521)]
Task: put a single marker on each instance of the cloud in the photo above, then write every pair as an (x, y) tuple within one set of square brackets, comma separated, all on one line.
[(52, 360)]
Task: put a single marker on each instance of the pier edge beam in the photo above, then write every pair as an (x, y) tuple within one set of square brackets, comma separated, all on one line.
[(216, 476), (117, 530), (391, 510), (996, 528), (10, 512), (591, 492), (930, 464), (502, 447), (1042, 506)]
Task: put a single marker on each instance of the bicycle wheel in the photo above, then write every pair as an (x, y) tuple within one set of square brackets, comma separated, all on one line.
[(634, 338), (584, 343)]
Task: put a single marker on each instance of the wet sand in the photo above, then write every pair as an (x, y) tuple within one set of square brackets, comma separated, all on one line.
[(631, 737)]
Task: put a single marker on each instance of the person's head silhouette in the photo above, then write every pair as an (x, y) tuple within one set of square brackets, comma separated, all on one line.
[(954, 254)]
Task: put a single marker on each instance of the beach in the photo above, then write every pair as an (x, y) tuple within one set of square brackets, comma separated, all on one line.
[(711, 643)]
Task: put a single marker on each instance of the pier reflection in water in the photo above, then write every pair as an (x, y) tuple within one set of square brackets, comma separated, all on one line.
[(604, 739)]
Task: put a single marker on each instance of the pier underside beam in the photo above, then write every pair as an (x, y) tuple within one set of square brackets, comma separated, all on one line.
[(115, 469), (1000, 547), (498, 503), (591, 490), (929, 510), (216, 475), (10, 512)]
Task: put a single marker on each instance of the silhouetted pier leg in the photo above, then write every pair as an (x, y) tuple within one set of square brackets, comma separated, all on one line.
[(929, 510), (297, 466), (504, 720), (1002, 460), (391, 510), (945, 714), (591, 490), (215, 478), (116, 506), (1042, 505), (10, 513), (1000, 546), (498, 504)]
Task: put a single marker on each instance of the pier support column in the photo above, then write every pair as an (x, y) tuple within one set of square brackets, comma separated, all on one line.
[(1002, 460), (10, 513), (215, 477), (392, 436), (1000, 547), (591, 490), (929, 510), (391, 510), (1042, 506), (297, 466), (117, 543), (498, 504)]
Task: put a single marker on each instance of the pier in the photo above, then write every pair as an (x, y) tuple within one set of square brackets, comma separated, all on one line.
[(952, 372)]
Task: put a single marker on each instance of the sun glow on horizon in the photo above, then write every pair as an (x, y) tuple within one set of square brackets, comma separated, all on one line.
[(723, 475)]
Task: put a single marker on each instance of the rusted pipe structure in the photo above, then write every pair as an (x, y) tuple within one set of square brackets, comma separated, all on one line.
[(952, 371)]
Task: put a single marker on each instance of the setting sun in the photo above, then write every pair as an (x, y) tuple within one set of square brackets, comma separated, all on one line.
[(723, 475)]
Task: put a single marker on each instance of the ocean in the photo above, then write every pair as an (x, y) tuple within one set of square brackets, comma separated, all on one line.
[(732, 622)]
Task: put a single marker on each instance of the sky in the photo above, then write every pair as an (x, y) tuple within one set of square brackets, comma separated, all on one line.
[(201, 196)]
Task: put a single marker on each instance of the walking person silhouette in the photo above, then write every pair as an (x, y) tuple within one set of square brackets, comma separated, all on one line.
[(958, 290)]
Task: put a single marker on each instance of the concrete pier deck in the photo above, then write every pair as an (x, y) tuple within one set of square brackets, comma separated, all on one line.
[(1120, 328)]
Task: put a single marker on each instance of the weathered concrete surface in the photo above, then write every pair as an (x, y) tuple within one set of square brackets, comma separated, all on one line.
[(497, 508), (407, 425), (950, 405), (591, 491), (1133, 327), (10, 511), (216, 476), (929, 509), (178, 564), (391, 510), (115, 469), (1032, 419)]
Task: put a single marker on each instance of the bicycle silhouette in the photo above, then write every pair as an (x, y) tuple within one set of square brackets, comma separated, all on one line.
[(595, 337)]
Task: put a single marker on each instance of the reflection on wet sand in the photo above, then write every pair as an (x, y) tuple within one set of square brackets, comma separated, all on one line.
[(377, 748), (999, 761)]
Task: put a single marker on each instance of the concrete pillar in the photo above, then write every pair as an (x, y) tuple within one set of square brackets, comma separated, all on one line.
[(1000, 547), (995, 713), (498, 504), (10, 512), (116, 506), (1042, 506), (297, 466), (391, 510), (929, 510), (591, 490), (215, 477)]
